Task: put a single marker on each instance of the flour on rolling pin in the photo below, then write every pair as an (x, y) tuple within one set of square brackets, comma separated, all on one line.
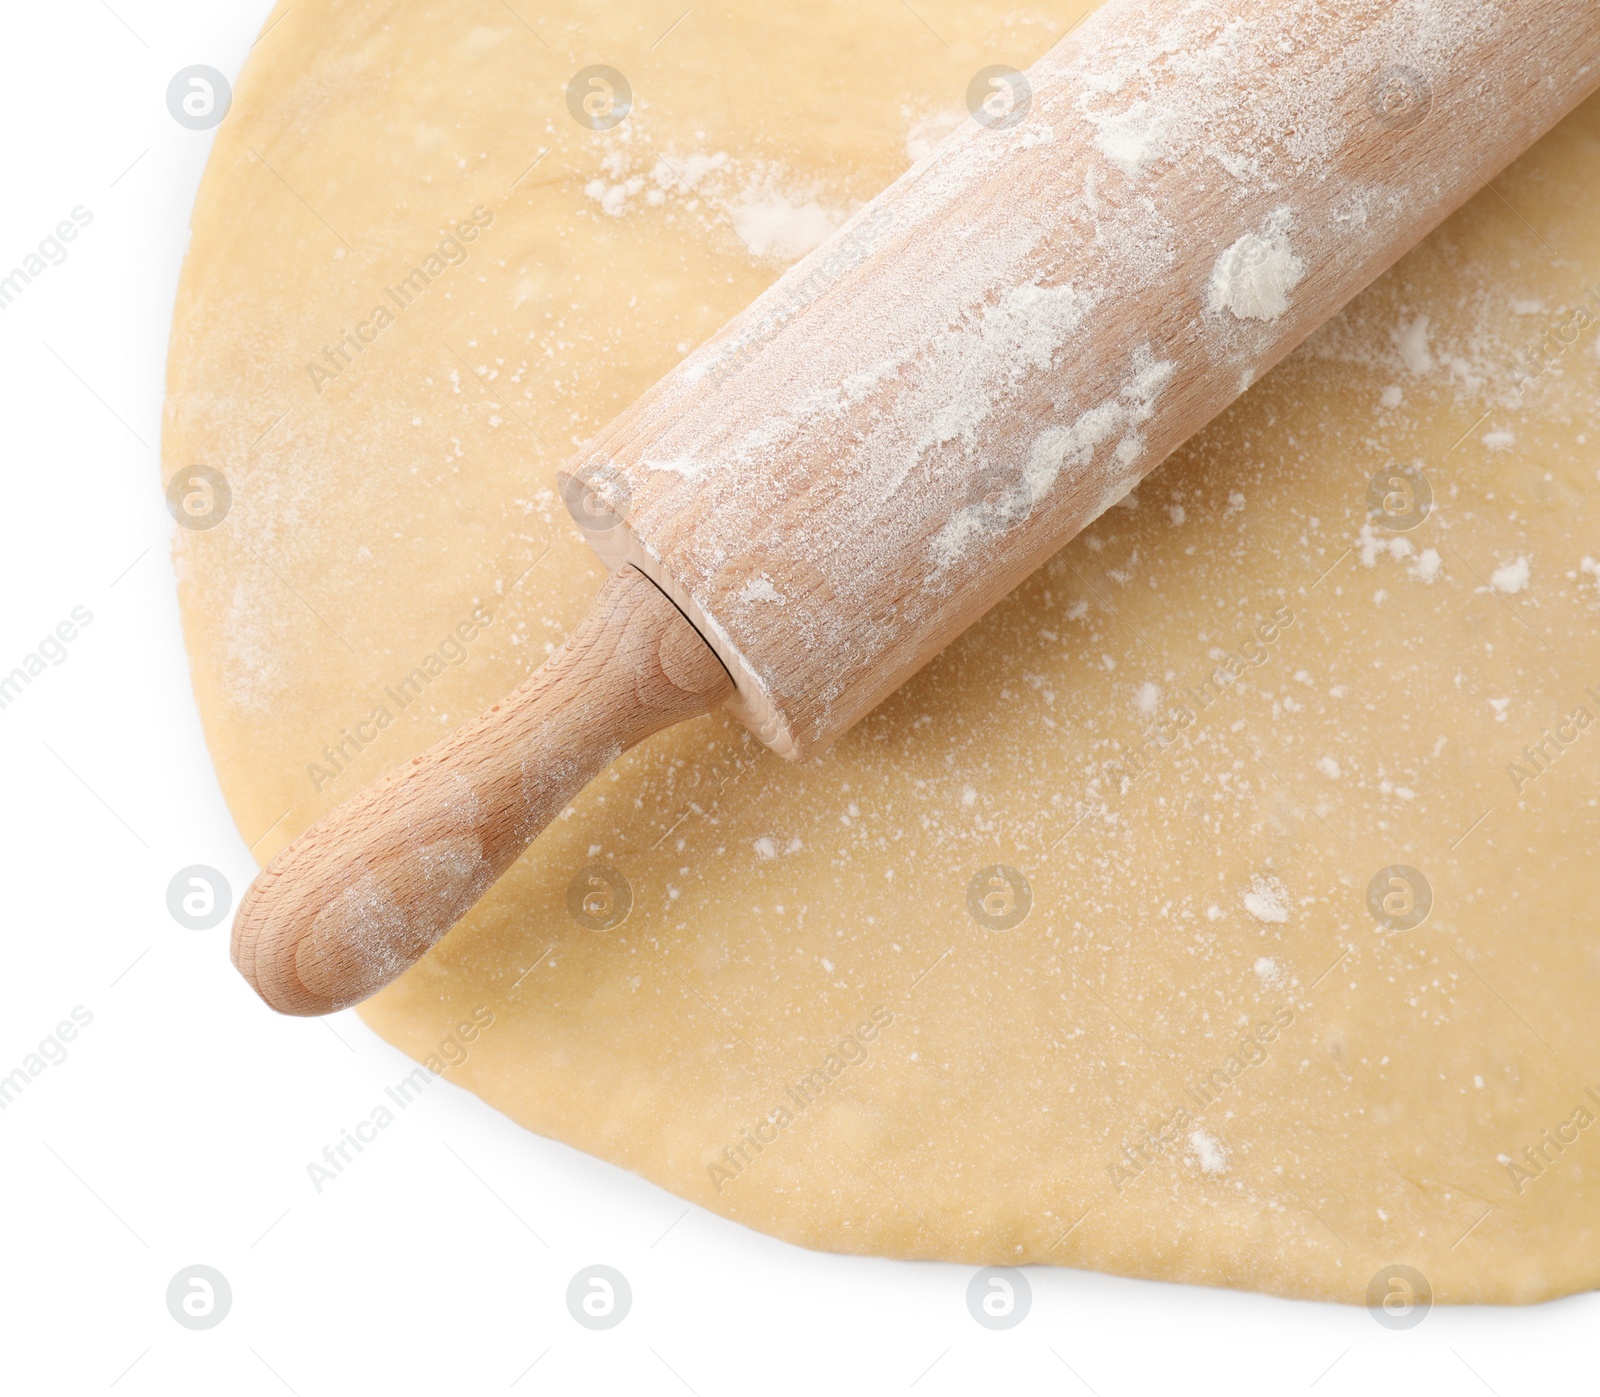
[(918, 414), (907, 424)]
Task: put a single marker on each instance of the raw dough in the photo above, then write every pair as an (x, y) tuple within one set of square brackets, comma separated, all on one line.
[(1198, 1056)]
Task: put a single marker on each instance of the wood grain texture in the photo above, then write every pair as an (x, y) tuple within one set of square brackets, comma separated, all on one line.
[(995, 350), (916, 416), (363, 893)]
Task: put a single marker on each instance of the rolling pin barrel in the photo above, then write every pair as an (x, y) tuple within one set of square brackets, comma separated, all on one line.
[(918, 414), (1000, 346)]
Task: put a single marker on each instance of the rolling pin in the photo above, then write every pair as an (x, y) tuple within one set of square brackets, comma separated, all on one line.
[(923, 410)]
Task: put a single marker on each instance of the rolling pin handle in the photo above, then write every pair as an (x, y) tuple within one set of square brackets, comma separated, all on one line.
[(360, 896)]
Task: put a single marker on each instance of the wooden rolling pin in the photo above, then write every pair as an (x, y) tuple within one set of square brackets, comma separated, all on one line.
[(926, 408)]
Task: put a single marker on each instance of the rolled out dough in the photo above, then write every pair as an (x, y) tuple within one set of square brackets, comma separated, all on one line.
[(1190, 753)]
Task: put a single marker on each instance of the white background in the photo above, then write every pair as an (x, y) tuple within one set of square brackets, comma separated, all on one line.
[(178, 1128)]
